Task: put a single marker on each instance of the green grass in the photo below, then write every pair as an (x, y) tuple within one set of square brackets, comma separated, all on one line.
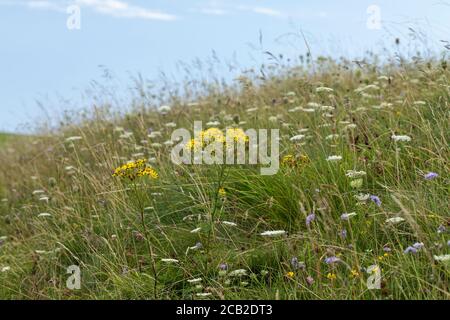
[(4, 137), (95, 219)]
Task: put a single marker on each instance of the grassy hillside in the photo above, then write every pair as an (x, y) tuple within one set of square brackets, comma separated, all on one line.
[(4, 137), (362, 191)]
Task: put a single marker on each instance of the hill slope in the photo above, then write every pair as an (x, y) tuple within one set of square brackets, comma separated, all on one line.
[(361, 194)]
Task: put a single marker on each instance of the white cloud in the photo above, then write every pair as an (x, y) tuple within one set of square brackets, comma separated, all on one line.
[(122, 9), (113, 8), (215, 7), (267, 11)]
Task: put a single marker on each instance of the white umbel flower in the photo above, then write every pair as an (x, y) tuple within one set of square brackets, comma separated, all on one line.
[(355, 174), (273, 233), (401, 138), (395, 220), (334, 158), (44, 214), (229, 223), (238, 273), (74, 138), (297, 137), (442, 258), (196, 280), (324, 89), (169, 260)]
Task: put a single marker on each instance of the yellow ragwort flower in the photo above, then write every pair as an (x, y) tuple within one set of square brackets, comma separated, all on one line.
[(331, 276), (290, 274), (135, 169), (222, 192)]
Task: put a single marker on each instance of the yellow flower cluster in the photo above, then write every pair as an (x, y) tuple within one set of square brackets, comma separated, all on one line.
[(292, 161), (290, 274), (135, 169), (216, 135), (222, 192), (237, 134), (331, 276)]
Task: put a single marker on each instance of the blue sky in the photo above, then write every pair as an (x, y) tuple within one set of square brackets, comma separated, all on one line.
[(41, 59)]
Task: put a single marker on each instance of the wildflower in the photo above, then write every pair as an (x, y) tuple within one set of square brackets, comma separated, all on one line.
[(354, 273), (169, 260), (273, 233), (448, 243), (313, 105), (332, 137), (376, 200), (297, 137), (331, 260), (204, 294), (288, 160), (310, 280), (196, 230), (400, 138), (290, 274), (296, 265), (164, 109), (387, 249), (135, 169), (74, 138), (45, 214), (347, 216), (194, 144), (213, 123), (310, 218), (197, 246), (355, 174), (418, 245), (213, 134), (44, 199), (324, 89), (223, 267), (441, 229), (229, 223), (334, 158), (194, 281), (331, 276), (431, 175), (343, 233), (237, 135), (356, 184), (327, 108), (442, 258), (222, 192), (414, 248), (395, 220), (238, 273), (362, 197), (4, 269)]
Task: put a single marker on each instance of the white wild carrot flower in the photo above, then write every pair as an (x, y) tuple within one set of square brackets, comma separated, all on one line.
[(44, 214), (395, 220), (273, 233), (401, 138), (355, 173), (442, 258), (334, 158), (196, 230), (169, 260), (238, 273)]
